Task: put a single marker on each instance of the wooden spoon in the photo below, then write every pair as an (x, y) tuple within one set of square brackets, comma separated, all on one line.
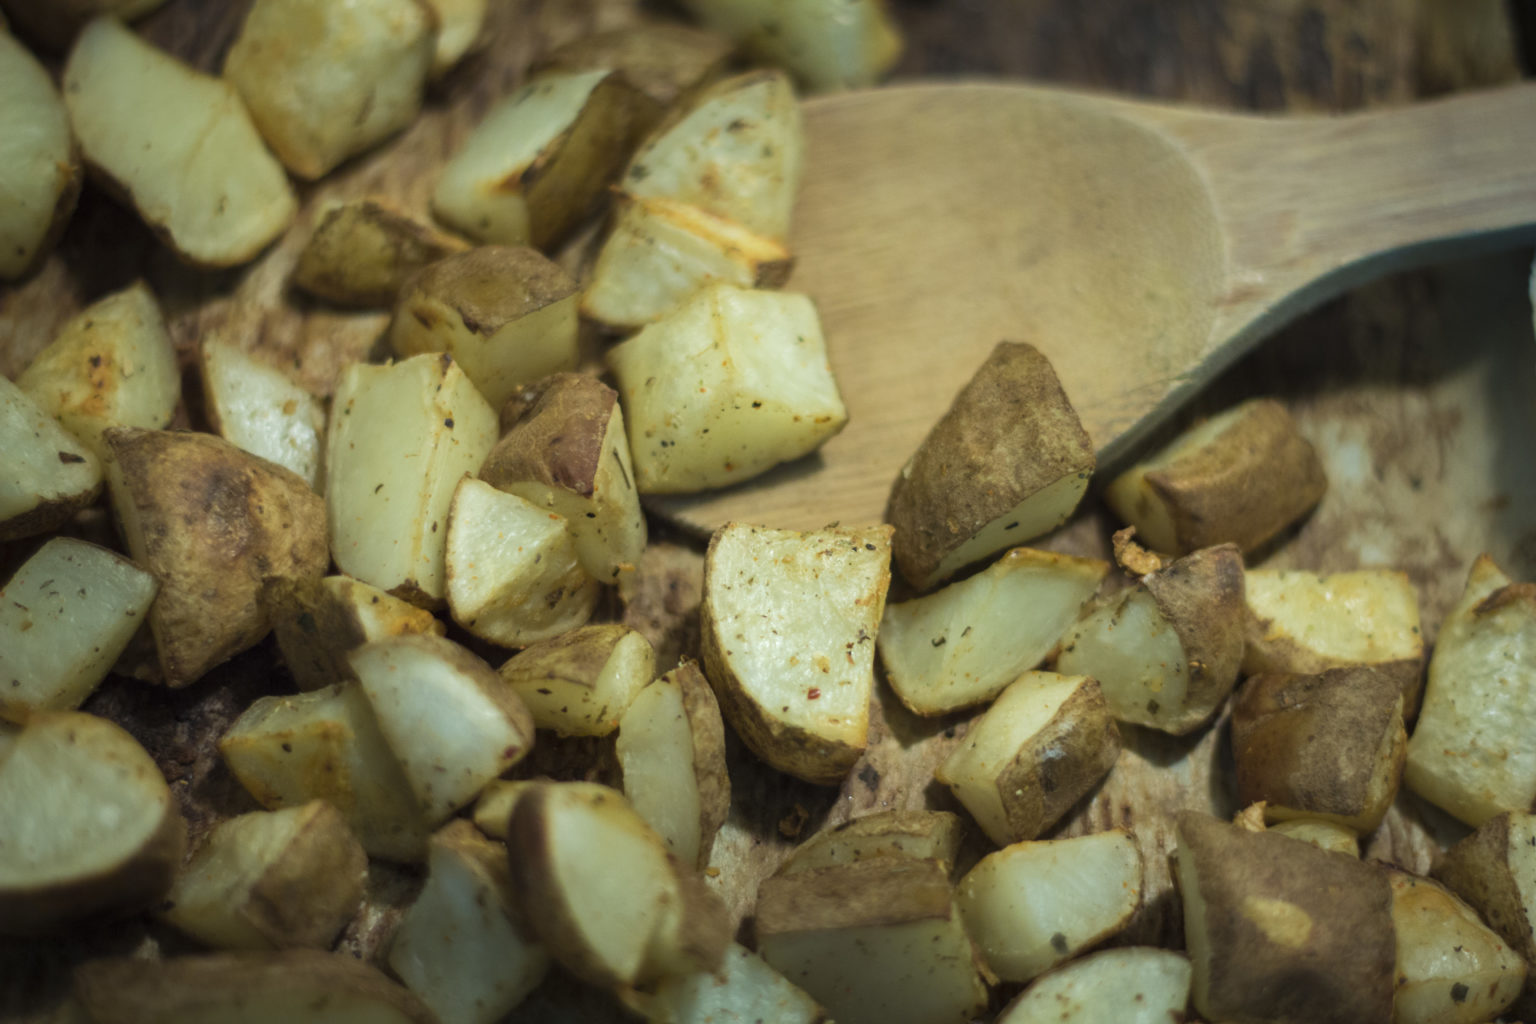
[(1142, 247)]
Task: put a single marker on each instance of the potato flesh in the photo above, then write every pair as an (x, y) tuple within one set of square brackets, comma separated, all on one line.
[(736, 153), (363, 251), (471, 195), (400, 439), (259, 409), (112, 365), (65, 616), (661, 252), (493, 811), (729, 385), (827, 44), (655, 750), (963, 644), (745, 989), (1135, 654), (449, 720), (513, 574), (316, 627), (324, 81), (1359, 618), (47, 474), (919, 835), (1450, 968), (195, 167), (1127, 986), (39, 173), (459, 23), (571, 699), (1032, 905), (1323, 834), (1152, 518), (1470, 753)]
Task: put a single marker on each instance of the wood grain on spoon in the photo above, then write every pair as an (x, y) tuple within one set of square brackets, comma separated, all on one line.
[(1142, 247)]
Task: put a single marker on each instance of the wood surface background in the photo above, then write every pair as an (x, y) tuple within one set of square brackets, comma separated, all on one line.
[(1417, 389)]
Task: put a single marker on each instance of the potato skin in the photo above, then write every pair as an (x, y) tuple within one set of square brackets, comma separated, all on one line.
[(559, 441), (1201, 596), (1477, 870), (362, 253), (709, 768), (955, 483), (664, 61), (1311, 743), (1061, 764)]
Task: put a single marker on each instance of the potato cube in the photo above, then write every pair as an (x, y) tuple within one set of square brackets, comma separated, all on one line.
[(1470, 752), (1127, 986), (363, 251), (1451, 969), (112, 365), (65, 616), (580, 682), (879, 941), (48, 474), (1167, 650), (661, 251), (39, 166), (729, 385), (513, 574), (324, 81), (789, 622), (921, 835), (318, 622), (1494, 871), (460, 31), (961, 645), (540, 159), (744, 989), (401, 437), (178, 144), (258, 408), (498, 800), (1008, 462), (664, 60), (283, 879), (1044, 744), (1240, 477), (507, 316), (827, 44)]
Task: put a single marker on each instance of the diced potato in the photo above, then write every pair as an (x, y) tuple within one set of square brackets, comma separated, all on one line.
[(1450, 968), (39, 167), (112, 365), (90, 826), (507, 316), (1136, 985), (569, 453), (318, 622), (920, 835), (1240, 477), (540, 159), (283, 879), (258, 408), (1321, 833), (694, 932), (215, 525), (327, 745), (878, 941), (299, 986), (1167, 650), (744, 989), (401, 437), (457, 946), (671, 749), (664, 60), (493, 811), (513, 575), (1306, 623), (1494, 871), (1470, 753), (363, 251), (1044, 744), (1032, 905), (788, 626), (1279, 930), (1007, 462), (449, 719), (460, 24), (48, 474), (827, 44), (961, 645), (661, 251), (1327, 746), (65, 616), (729, 385), (324, 81), (580, 682), (736, 151), (178, 144)]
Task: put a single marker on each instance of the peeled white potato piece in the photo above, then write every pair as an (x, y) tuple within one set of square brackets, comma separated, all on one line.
[(744, 990), (178, 144), (450, 720), (257, 407), (728, 385), (48, 474), (39, 167), (65, 616), (1136, 985), (90, 825), (962, 645)]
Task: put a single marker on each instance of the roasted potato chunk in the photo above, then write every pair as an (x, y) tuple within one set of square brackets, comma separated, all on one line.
[(362, 253), (1450, 968), (1494, 871), (48, 474), (317, 623), (460, 27), (39, 166), (921, 835), (1127, 986), (256, 407), (1008, 462), (664, 60), (827, 44), (580, 682), (744, 989)]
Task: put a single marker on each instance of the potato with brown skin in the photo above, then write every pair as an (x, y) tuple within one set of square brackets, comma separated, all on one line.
[(1494, 870), (214, 523), (48, 474), (1325, 746), (1240, 477), (1280, 931), (1007, 462), (923, 835), (362, 252), (580, 682), (663, 60), (1451, 969), (318, 622)]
